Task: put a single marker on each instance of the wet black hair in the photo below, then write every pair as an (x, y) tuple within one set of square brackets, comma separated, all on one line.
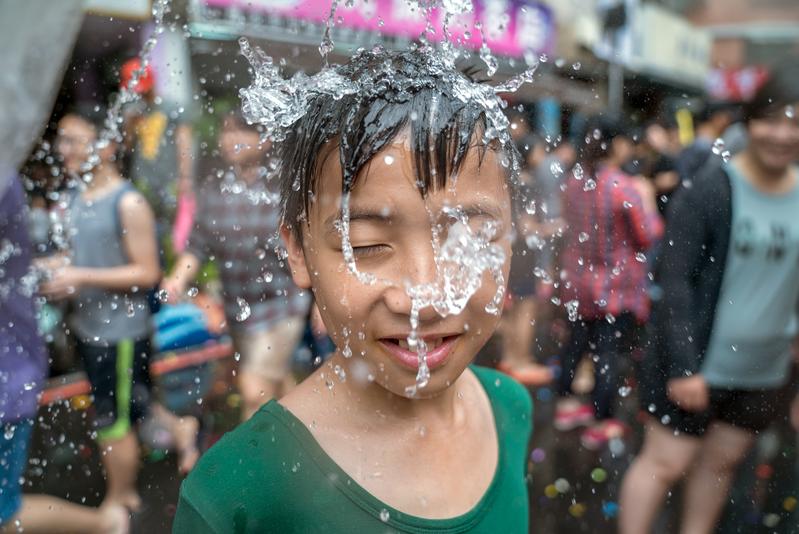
[(712, 108), (600, 130), (780, 90), (90, 112), (405, 90)]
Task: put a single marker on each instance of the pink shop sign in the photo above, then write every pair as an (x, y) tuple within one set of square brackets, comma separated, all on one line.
[(511, 27)]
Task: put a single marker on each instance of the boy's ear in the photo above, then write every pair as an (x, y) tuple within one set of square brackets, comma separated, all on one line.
[(296, 258)]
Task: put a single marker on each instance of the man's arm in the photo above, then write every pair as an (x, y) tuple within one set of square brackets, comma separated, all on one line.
[(184, 145), (684, 242)]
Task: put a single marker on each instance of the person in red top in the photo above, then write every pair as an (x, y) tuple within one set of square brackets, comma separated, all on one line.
[(612, 220)]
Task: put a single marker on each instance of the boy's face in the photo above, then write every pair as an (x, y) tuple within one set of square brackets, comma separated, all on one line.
[(391, 228), (240, 145), (774, 139), (74, 142)]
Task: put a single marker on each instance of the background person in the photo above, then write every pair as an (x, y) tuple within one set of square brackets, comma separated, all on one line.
[(160, 163), (612, 220), (240, 218), (722, 348), (23, 370), (111, 263)]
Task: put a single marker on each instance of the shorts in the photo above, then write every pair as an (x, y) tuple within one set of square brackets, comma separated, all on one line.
[(120, 378), (268, 352), (751, 410), (14, 442)]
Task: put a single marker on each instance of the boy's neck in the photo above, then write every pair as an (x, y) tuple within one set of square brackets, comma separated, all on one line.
[(247, 173), (368, 399), (103, 176)]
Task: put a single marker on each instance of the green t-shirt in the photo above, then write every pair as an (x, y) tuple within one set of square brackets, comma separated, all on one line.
[(270, 475)]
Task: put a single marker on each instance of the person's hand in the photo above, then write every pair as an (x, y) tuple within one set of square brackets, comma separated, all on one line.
[(51, 263), (647, 191), (174, 287), (795, 412), (690, 394), (64, 282)]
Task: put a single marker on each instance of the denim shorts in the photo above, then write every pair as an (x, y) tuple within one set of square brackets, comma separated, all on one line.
[(14, 439)]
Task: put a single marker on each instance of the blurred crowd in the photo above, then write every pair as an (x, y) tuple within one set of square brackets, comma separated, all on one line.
[(663, 269)]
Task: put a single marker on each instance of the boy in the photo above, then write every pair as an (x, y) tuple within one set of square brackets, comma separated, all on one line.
[(363, 445)]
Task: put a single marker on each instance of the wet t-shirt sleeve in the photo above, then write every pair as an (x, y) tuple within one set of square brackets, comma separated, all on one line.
[(189, 519)]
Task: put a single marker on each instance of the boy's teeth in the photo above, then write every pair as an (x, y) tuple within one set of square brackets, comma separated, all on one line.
[(431, 343)]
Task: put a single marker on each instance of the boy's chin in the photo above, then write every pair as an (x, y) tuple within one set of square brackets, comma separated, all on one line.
[(440, 381)]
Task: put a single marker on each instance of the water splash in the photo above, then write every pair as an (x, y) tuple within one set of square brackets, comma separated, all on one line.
[(127, 94), (461, 262)]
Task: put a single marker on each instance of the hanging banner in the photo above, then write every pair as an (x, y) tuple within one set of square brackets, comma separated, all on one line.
[(736, 84), (511, 27)]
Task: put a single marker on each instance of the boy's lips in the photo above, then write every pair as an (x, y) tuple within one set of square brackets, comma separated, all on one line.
[(439, 347)]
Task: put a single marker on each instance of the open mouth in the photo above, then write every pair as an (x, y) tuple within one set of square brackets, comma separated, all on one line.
[(432, 342), (439, 348)]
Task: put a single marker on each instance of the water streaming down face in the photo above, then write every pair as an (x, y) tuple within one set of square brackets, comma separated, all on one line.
[(466, 253)]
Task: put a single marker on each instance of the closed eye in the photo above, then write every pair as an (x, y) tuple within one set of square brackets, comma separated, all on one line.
[(369, 251)]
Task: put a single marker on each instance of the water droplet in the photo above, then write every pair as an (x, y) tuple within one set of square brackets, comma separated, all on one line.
[(718, 146), (384, 515), (640, 256), (244, 311), (193, 292), (489, 60), (582, 237), (624, 391), (590, 185), (162, 295), (562, 485), (572, 308), (389, 160)]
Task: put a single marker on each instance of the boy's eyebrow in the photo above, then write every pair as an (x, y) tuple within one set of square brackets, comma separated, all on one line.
[(382, 215), (357, 213), (481, 209)]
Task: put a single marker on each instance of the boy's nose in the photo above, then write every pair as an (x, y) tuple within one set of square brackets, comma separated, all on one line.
[(399, 302), (418, 268)]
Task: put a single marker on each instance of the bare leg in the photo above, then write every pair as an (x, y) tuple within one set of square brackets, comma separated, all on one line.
[(184, 432), (664, 459), (255, 391), (121, 461), (708, 484), (50, 515), (266, 364), (517, 336), (519, 333)]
